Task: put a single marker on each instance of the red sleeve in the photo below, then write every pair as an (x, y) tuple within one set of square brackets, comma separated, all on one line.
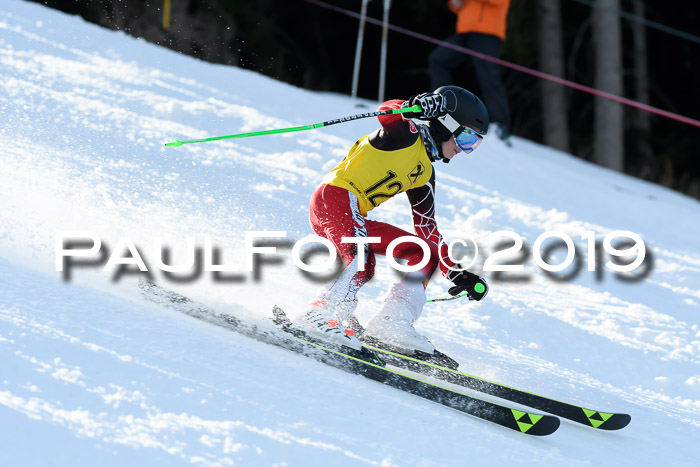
[(396, 132), (392, 120)]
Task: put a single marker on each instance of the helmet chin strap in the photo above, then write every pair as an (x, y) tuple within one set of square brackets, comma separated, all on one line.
[(431, 146)]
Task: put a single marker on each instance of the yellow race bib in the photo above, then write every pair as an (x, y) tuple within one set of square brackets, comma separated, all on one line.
[(375, 175)]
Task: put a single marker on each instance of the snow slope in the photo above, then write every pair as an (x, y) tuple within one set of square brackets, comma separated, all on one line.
[(92, 374)]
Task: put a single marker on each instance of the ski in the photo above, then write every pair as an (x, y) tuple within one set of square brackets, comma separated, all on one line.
[(589, 417), (533, 424), (366, 363)]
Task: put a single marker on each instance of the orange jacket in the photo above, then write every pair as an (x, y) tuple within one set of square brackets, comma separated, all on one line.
[(484, 16)]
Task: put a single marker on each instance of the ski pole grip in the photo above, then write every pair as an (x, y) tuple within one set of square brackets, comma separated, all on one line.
[(415, 108)]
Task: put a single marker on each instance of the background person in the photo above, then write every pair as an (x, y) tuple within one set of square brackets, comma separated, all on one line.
[(481, 26)]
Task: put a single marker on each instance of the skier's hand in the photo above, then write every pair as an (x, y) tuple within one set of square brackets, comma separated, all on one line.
[(475, 286), (432, 105)]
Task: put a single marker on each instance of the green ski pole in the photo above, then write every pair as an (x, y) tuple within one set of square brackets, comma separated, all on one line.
[(447, 297), (415, 108), (479, 288)]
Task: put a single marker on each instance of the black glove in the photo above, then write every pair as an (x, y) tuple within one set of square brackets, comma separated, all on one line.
[(475, 286), (432, 106)]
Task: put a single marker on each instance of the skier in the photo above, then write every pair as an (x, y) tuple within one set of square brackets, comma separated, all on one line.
[(395, 158)]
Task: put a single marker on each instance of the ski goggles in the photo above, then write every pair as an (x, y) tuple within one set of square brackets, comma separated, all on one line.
[(468, 140)]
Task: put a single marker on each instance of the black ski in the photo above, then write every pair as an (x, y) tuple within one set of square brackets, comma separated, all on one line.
[(588, 417), (533, 424), (365, 363)]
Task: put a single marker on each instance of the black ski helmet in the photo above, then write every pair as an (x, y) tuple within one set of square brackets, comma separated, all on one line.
[(463, 109)]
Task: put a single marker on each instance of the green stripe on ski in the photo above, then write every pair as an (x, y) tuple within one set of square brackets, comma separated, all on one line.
[(423, 362), (320, 346)]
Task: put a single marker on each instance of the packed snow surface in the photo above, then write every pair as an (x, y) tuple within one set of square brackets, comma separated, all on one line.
[(91, 374)]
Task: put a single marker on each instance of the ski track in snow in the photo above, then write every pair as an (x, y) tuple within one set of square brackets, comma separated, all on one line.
[(85, 114)]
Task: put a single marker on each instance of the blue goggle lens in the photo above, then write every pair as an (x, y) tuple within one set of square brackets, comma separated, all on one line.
[(468, 140)]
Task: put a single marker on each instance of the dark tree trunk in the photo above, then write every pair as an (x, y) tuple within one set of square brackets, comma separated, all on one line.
[(609, 146), (641, 81), (551, 58)]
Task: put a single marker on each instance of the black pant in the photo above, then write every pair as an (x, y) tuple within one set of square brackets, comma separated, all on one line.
[(442, 61)]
